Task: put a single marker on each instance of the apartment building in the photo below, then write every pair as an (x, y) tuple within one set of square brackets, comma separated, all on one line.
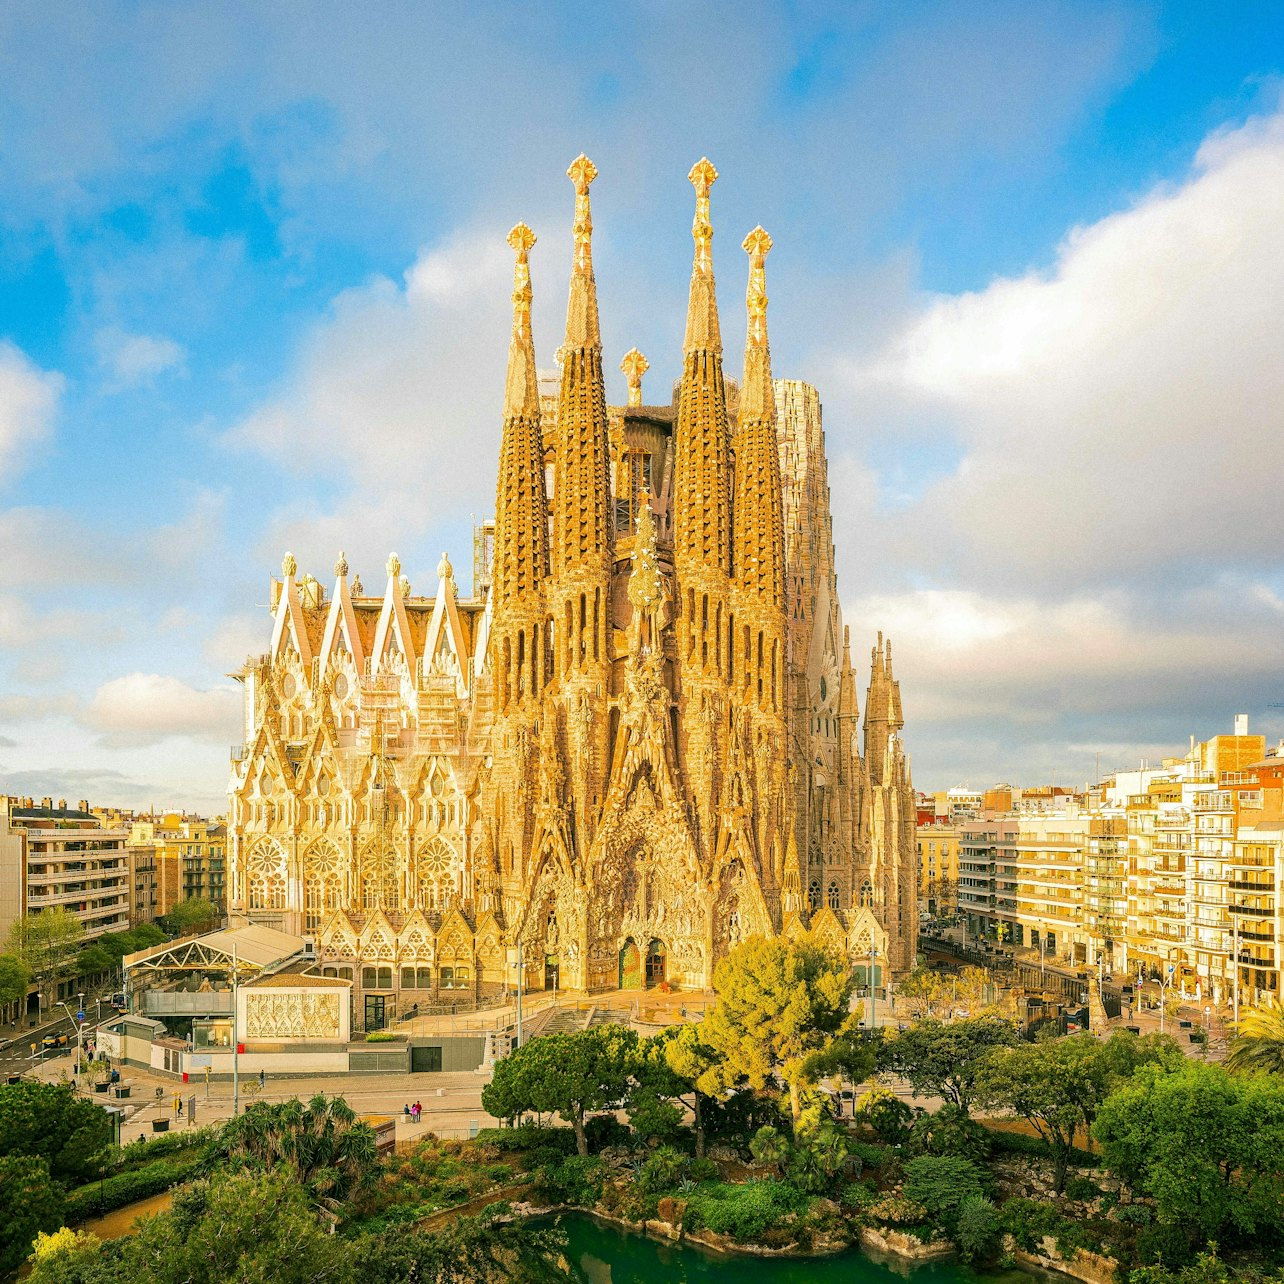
[(186, 855), (53, 855), (938, 867), (1174, 870)]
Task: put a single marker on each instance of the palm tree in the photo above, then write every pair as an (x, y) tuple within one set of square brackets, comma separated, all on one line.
[(329, 1151), (769, 1147), (1259, 1040)]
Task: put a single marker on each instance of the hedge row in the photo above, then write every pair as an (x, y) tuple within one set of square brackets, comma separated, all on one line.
[(1020, 1143), (127, 1187)]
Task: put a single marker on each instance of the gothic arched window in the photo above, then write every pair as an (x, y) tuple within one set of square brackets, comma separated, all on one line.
[(813, 893), (866, 895), (831, 898)]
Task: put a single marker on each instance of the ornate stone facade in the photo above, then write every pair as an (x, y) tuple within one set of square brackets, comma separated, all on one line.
[(639, 746)]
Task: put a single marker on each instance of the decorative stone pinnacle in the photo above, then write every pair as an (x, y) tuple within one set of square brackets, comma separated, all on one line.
[(702, 177), (393, 566), (341, 566), (289, 566), (757, 245), (444, 569), (582, 172), (405, 585), (521, 239), (634, 365)]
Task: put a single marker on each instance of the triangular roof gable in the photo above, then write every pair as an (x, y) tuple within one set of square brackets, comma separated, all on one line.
[(290, 623), (392, 618), (445, 629), (341, 624)]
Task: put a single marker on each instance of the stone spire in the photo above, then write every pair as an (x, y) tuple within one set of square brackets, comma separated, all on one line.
[(521, 504), (702, 489), (582, 514), (883, 718), (521, 391), (759, 500)]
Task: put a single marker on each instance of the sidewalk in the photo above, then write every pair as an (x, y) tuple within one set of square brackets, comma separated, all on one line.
[(451, 1101)]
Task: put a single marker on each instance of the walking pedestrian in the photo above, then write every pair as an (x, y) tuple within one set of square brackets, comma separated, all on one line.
[(262, 1078)]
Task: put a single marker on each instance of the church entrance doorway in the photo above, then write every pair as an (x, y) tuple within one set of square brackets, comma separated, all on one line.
[(630, 966), (656, 964), (552, 971)]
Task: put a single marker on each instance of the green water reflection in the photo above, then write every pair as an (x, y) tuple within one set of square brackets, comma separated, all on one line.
[(604, 1254)]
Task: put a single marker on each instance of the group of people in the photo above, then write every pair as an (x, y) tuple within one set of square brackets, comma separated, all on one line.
[(412, 1112)]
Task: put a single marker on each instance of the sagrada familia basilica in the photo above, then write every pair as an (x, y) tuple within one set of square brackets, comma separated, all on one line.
[(635, 744)]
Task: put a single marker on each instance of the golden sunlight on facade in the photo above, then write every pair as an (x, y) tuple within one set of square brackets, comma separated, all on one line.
[(636, 743)]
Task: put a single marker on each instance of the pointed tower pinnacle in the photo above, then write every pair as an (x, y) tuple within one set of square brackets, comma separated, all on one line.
[(634, 365), (758, 496), (702, 308), (582, 329), (581, 522), (521, 392), (521, 503), (702, 443)]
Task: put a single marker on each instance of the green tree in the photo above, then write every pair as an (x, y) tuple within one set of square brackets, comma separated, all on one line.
[(48, 944), (1059, 1086), (667, 1074), (780, 1003), (943, 1060), (322, 1144), (30, 1202), (192, 916), (1203, 1143), (249, 1227), (1259, 1040), (50, 1122), (15, 981), (94, 960), (941, 1183), (571, 1075)]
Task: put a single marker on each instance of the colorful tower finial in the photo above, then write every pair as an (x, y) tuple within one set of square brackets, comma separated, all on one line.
[(702, 177), (582, 329), (703, 332), (757, 245), (521, 391), (634, 365)]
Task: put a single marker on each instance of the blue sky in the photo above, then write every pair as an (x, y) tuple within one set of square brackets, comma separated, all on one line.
[(253, 296)]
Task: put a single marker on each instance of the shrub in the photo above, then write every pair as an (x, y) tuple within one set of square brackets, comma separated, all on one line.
[(1135, 1214), (663, 1171), (528, 1137), (381, 1036), (607, 1130), (897, 1210), (941, 1183), (745, 1211), (1028, 1221), (950, 1132), (140, 1152), (576, 1179), (1163, 1243), (1003, 1142), (126, 1187), (1082, 1189), (886, 1114), (976, 1228), (871, 1154), (703, 1170)]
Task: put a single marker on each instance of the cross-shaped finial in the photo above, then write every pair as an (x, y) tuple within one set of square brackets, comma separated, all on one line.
[(634, 365), (581, 172), (702, 176), (521, 238)]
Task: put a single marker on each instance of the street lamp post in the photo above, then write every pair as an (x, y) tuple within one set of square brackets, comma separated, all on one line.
[(1164, 983), (236, 1047), (515, 959)]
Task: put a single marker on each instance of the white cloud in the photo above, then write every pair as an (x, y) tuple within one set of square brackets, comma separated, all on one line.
[(28, 402), (132, 359), (142, 708), (1126, 409)]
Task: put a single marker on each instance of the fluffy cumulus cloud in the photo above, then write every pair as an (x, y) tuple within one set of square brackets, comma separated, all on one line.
[(28, 401), (1105, 551), (143, 708)]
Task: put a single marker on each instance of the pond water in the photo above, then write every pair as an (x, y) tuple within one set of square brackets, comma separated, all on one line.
[(605, 1254)]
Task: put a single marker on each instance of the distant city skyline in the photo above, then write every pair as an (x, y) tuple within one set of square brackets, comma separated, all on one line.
[(254, 296)]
